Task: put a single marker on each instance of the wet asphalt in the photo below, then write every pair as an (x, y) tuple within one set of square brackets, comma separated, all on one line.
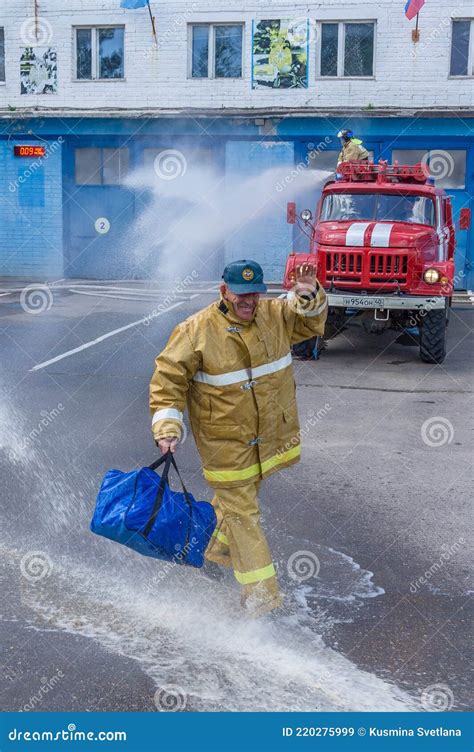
[(385, 478)]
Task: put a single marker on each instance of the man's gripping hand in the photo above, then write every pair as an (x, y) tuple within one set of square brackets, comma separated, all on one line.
[(167, 444)]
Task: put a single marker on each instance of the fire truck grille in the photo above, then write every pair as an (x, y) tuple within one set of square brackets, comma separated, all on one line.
[(342, 266), (387, 267), (359, 268)]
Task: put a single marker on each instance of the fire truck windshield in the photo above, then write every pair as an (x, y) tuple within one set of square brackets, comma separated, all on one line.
[(378, 207)]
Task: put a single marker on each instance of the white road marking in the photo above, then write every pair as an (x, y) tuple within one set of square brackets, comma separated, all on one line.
[(125, 296), (195, 287), (4, 293), (102, 338), (191, 292), (129, 290), (146, 290)]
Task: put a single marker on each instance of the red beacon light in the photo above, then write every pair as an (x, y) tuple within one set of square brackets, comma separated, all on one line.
[(383, 172)]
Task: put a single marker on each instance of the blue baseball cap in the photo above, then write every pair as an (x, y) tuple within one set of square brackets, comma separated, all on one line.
[(244, 276)]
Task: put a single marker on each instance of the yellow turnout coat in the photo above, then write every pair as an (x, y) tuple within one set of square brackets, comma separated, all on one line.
[(353, 151), (237, 380)]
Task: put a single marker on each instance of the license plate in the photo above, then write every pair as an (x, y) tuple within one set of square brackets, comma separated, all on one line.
[(360, 301)]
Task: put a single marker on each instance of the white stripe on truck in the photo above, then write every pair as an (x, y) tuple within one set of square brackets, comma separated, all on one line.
[(355, 233), (381, 235)]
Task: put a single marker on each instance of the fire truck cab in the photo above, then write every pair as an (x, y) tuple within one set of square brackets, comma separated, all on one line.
[(383, 244)]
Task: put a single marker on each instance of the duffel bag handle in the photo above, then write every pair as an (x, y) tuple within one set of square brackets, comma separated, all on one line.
[(158, 462), (168, 459)]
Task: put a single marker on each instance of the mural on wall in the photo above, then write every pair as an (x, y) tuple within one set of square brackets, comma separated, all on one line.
[(38, 71), (280, 54)]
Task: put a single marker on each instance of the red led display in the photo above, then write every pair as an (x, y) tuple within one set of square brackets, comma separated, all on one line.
[(29, 151)]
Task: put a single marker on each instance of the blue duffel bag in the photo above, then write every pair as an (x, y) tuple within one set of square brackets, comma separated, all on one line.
[(139, 510)]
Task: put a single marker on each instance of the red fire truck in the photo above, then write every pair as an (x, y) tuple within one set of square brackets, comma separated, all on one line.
[(383, 244)]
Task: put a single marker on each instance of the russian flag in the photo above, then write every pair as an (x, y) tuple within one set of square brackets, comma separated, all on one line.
[(413, 7)]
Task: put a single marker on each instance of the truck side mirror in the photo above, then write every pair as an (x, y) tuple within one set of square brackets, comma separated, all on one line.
[(465, 219), (291, 213)]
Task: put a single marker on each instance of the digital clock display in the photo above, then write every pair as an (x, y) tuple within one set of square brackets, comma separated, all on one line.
[(29, 151)]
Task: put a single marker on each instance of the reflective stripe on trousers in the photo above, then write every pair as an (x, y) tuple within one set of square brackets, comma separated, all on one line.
[(249, 472), (239, 542)]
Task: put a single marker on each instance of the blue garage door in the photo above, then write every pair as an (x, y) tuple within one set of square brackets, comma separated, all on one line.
[(99, 212)]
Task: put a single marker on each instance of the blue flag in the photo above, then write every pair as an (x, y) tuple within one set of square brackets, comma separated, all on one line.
[(133, 4)]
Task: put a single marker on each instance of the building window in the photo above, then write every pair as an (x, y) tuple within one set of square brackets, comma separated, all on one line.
[(2, 55), (215, 50), (100, 166), (447, 166), (322, 160), (99, 52), (326, 159), (462, 48), (347, 49)]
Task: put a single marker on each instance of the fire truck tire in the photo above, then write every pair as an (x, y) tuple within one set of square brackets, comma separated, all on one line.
[(433, 337)]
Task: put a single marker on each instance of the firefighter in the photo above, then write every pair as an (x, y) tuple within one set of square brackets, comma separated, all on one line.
[(352, 149), (230, 363)]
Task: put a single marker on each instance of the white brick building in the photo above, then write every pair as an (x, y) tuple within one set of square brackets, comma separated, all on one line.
[(406, 76), (361, 70)]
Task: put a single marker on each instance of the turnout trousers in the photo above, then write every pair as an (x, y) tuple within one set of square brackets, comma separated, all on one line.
[(239, 542)]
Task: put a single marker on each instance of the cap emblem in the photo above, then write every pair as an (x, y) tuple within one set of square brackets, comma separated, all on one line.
[(248, 274)]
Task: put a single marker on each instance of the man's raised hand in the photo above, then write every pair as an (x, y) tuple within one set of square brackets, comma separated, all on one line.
[(306, 275)]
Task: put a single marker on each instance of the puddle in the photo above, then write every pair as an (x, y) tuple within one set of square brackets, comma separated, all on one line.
[(188, 633)]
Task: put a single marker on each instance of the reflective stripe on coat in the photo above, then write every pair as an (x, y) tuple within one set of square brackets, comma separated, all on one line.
[(236, 378)]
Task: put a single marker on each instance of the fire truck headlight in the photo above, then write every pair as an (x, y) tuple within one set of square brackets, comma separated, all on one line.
[(306, 215), (431, 276)]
